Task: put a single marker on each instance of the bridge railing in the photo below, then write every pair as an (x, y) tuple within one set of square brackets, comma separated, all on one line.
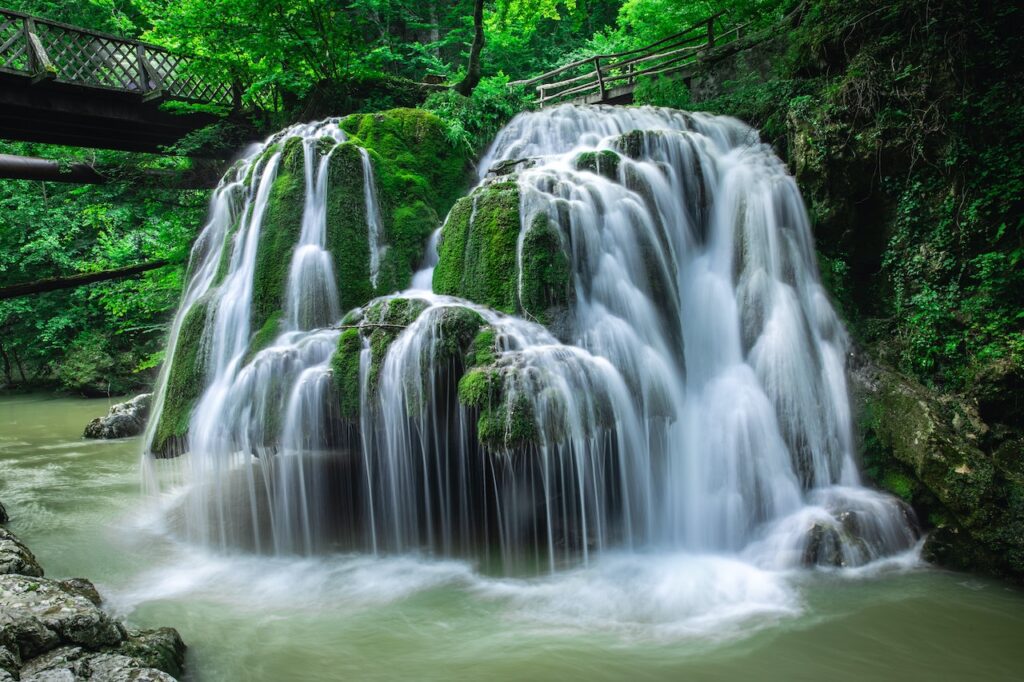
[(49, 50), (598, 77)]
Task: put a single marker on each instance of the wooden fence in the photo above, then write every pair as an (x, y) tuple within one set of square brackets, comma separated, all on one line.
[(49, 50), (605, 77)]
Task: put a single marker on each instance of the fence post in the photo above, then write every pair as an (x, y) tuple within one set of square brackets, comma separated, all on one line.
[(600, 78), (711, 33), (140, 58), (39, 61)]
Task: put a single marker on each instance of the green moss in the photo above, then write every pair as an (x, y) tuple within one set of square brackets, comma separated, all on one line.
[(345, 370), (509, 426), (226, 252), (264, 336), (418, 176), (604, 162), (347, 235), (483, 349), (479, 387), (408, 228), (384, 321), (282, 224), (456, 330), (185, 382), (414, 141), (478, 248), (546, 273), (899, 484)]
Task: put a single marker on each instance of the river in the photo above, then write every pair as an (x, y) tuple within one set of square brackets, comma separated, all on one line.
[(80, 507)]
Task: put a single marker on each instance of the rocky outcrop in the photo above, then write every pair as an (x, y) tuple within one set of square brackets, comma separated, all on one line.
[(935, 452), (54, 630), (123, 421)]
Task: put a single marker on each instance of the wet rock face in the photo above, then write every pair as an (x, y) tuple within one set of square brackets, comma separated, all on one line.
[(935, 453), (124, 419), (57, 631)]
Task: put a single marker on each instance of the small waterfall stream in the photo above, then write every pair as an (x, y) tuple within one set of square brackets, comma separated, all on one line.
[(693, 399)]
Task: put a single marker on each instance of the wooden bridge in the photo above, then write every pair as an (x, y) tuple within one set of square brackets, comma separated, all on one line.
[(612, 78), (62, 84)]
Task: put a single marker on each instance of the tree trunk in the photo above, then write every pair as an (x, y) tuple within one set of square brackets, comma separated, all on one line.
[(7, 365), (72, 281), (21, 368), (466, 85)]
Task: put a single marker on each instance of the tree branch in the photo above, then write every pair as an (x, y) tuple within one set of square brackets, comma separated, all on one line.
[(72, 281)]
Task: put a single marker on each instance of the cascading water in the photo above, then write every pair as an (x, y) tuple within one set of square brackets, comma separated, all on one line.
[(692, 397)]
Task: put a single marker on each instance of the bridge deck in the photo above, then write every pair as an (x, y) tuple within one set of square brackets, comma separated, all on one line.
[(62, 84)]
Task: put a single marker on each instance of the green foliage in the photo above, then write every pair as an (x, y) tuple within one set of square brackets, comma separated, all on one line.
[(472, 122), (53, 229), (88, 365), (662, 91)]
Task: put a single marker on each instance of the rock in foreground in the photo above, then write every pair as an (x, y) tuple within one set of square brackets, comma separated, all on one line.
[(55, 630), (124, 419)]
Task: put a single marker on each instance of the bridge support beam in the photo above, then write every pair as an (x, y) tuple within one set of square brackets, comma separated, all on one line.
[(30, 168), (203, 174)]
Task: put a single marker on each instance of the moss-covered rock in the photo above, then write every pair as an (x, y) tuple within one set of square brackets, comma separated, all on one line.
[(418, 176), (931, 452), (185, 382), (345, 371), (546, 272), (477, 250), (347, 234), (604, 162), (282, 225), (414, 141)]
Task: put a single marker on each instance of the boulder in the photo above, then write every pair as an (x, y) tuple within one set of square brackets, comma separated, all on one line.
[(54, 630), (124, 419), (71, 617), (934, 451), (15, 557)]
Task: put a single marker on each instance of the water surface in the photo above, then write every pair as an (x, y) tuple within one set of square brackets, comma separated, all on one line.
[(80, 507)]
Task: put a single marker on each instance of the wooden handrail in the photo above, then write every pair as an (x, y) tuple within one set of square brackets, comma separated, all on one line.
[(693, 28), (669, 54)]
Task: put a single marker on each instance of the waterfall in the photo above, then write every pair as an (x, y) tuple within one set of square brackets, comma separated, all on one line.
[(373, 219), (690, 396)]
